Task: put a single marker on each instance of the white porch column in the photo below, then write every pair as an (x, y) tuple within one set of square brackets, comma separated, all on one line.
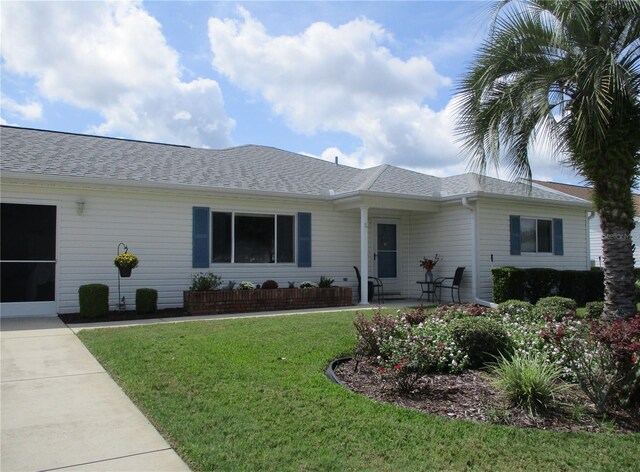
[(364, 256)]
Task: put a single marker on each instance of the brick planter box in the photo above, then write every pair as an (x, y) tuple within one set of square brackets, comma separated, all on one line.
[(217, 302)]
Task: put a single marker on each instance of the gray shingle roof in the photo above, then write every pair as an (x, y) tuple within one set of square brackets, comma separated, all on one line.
[(251, 167)]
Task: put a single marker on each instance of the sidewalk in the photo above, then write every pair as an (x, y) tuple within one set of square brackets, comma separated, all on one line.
[(61, 410)]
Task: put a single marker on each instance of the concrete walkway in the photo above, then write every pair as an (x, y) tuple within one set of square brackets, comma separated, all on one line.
[(61, 410)]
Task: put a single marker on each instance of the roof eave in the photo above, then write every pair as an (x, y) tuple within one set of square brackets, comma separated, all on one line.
[(145, 185)]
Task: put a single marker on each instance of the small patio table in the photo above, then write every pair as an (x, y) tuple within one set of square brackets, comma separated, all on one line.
[(429, 288)]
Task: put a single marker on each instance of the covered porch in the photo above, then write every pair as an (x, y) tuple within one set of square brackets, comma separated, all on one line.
[(397, 231)]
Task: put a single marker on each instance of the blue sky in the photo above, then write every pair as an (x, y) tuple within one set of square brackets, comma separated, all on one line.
[(370, 82)]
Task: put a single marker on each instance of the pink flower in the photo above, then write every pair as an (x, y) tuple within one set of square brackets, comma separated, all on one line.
[(404, 361), (398, 366)]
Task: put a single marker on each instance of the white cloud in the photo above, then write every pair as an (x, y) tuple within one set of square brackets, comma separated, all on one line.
[(112, 58), (28, 111), (341, 79)]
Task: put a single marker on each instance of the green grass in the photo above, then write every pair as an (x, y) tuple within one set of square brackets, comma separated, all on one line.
[(222, 395)]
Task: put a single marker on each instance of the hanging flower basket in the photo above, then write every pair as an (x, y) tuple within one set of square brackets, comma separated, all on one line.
[(125, 263)]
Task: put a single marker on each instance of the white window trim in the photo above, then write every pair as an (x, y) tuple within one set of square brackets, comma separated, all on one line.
[(275, 228), (550, 252)]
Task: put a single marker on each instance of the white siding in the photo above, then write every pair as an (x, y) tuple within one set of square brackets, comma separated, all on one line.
[(595, 238), (157, 228), (493, 226), (448, 234)]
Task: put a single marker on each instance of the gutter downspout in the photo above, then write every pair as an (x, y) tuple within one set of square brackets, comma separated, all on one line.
[(475, 269), (590, 216)]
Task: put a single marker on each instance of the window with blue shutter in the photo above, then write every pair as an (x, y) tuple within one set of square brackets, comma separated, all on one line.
[(304, 239), (514, 225), (201, 227), (535, 235), (558, 243)]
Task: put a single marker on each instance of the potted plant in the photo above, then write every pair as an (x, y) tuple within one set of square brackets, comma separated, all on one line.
[(125, 262), (428, 265)]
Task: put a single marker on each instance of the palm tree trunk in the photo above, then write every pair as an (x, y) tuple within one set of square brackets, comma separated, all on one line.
[(619, 288)]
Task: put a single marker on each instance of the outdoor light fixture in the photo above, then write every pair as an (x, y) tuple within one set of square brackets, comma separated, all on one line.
[(358, 357), (80, 206)]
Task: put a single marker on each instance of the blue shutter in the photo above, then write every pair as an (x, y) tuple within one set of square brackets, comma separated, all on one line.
[(558, 246), (514, 226), (304, 239), (200, 255)]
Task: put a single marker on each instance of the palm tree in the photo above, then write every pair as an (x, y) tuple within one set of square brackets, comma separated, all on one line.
[(566, 72)]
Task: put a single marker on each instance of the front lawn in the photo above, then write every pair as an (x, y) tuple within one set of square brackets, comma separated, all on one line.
[(250, 394)]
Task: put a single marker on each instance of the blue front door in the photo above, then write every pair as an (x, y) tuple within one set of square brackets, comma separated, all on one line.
[(387, 251)]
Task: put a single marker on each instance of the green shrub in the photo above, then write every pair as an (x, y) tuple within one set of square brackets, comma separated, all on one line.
[(205, 281), (529, 381), (94, 300), (533, 284), (540, 282), (146, 300), (325, 282), (593, 310), (269, 285), (556, 308), (594, 286), (508, 283), (637, 291), (516, 309), (573, 284), (482, 339)]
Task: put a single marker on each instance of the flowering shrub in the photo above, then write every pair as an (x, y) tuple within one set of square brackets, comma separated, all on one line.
[(555, 308), (483, 339), (604, 358), (246, 286), (371, 333), (126, 260), (517, 309)]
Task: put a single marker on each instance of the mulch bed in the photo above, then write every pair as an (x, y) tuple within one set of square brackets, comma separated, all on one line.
[(470, 396), (70, 318)]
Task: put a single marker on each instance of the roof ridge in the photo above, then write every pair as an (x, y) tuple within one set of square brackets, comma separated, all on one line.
[(368, 183), (97, 136)]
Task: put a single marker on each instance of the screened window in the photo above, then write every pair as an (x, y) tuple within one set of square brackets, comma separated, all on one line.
[(252, 238), (536, 235)]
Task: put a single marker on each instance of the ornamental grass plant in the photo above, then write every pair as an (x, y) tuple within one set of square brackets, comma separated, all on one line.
[(528, 380)]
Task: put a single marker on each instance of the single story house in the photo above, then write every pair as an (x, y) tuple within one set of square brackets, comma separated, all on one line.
[(255, 213), (595, 233)]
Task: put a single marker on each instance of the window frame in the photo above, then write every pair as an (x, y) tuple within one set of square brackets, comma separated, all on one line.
[(273, 215), (537, 242)]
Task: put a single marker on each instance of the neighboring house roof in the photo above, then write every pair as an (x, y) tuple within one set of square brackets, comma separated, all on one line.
[(581, 191), (50, 154)]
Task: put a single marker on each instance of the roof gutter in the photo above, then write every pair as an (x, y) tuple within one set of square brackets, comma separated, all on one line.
[(475, 259)]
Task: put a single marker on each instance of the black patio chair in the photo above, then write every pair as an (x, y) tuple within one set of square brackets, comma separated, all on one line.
[(450, 282), (375, 284)]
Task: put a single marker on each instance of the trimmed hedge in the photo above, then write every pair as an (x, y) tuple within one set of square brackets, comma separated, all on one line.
[(533, 284), (94, 300), (146, 300)]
